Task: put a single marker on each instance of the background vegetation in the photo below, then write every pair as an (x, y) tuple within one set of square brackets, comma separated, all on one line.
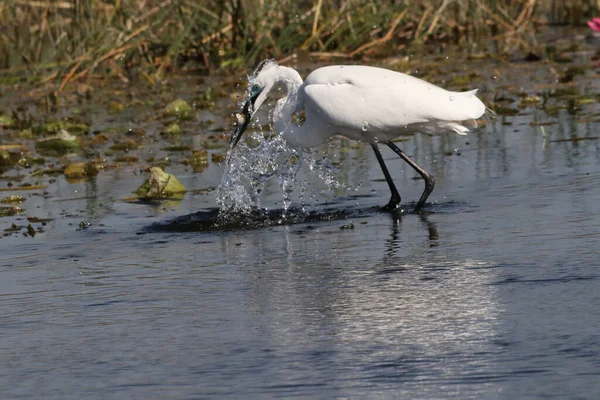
[(61, 40)]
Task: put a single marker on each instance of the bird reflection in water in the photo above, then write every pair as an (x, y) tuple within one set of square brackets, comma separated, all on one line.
[(393, 243)]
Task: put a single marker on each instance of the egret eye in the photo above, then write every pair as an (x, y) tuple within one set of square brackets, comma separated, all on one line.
[(255, 88)]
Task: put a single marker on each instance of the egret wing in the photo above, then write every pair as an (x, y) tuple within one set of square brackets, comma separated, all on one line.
[(357, 97)]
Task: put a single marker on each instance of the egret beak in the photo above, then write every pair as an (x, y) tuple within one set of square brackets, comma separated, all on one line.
[(243, 119)]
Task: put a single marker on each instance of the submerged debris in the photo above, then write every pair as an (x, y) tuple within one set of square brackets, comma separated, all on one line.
[(217, 158), (30, 230)]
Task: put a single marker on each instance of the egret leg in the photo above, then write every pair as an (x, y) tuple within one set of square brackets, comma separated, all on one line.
[(429, 179), (395, 199)]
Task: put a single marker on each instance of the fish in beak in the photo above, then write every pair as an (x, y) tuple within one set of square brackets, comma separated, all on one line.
[(243, 118)]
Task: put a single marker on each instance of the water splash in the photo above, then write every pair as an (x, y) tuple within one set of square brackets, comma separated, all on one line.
[(267, 156), (248, 169)]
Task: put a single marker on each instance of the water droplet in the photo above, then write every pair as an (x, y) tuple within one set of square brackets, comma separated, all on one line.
[(375, 139), (365, 126), (494, 77), (374, 26), (451, 98)]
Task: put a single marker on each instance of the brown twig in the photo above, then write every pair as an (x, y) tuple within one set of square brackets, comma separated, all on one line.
[(421, 22), (152, 11), (45, 4), (384, 39), (316, 20), (68, 77), (499, 20)]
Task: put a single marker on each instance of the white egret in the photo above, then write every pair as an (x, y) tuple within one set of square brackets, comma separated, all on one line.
[(367, 104)]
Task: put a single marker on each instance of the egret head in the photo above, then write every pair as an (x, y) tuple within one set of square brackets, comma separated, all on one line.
[(261, 82)]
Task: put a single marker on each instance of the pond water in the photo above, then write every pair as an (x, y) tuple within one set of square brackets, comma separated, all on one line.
[(492, 292)]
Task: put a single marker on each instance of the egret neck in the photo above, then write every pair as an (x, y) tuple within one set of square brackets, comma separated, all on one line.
[(308, 132)]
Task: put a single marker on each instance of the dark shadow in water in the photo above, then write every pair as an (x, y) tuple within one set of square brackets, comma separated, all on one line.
[(211, 220)]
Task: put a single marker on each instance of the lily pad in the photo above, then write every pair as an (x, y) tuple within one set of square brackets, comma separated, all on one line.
[(126, 158), (530, 101), (199, 160), (125, 145), (10, 211), (27, 161), (161, 185), (6, 120), (179, 108), (114, 107), (177, 148), (81, 170), (502, 110), (14, 199), (174, 129), (564, 92), (26, 134), (74, 128), (5, 159), (60, 144)]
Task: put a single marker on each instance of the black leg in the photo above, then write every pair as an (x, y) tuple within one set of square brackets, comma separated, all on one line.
[(429, 179), (395, 199)]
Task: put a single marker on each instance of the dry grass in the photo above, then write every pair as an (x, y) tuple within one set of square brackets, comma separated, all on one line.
[(65, 40)]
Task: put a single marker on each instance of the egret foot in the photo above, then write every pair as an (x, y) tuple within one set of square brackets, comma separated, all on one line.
[(429, 185), (429, 179), (391, 205), (395, 199)]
